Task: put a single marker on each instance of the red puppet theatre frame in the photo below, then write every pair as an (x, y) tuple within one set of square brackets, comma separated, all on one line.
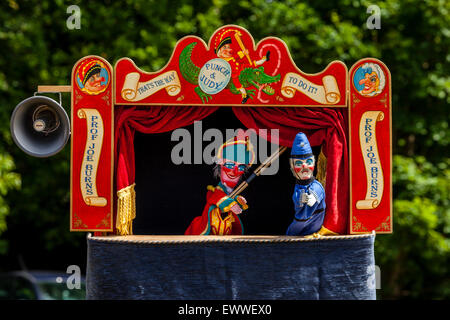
[(265, 89)]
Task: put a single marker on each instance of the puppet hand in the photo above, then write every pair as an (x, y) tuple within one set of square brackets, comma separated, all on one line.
[(241, 200), (311, 200), (236, 209)]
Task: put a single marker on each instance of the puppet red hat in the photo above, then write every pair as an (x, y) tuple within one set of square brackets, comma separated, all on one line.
[(88, 68), (223, 37)]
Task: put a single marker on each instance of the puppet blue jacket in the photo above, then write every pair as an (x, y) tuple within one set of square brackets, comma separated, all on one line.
[(307, 219)]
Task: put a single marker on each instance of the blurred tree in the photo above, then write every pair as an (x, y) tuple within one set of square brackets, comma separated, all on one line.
[(37, 47), (8, 180), (414, 260)]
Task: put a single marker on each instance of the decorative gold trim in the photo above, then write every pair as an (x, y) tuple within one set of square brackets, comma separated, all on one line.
[(105, 223), (385, 226), (383, 100), (355, 99), (126, 210), (78, 223), (218, 225), (358, 226)]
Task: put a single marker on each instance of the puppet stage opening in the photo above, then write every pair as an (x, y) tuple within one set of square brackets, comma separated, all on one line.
[(169, 196)]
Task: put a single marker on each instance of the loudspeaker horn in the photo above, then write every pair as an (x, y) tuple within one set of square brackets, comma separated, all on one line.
[(40, 126)]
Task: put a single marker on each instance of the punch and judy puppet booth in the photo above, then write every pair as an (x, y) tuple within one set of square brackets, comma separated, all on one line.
[(343, 115)]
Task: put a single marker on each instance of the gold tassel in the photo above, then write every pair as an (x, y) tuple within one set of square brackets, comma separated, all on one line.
[(326, 232), (126, 210), (322, 168), (321, 233)]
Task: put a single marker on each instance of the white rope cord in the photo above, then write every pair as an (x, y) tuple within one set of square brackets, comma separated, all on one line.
[(222, 239)]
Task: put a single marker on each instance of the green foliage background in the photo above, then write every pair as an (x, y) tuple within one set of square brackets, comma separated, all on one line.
[(36, 47)]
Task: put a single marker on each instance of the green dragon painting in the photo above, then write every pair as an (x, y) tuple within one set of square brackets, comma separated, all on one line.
[(249, 77)]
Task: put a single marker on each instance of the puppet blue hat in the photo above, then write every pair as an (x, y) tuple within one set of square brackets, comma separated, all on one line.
[(301, 147)]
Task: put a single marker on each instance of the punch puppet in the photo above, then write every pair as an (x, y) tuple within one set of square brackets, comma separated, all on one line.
[(221, 213), (309, 194)]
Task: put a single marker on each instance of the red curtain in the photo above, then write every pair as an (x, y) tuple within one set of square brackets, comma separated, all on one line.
[(146, 120), (323, 126)]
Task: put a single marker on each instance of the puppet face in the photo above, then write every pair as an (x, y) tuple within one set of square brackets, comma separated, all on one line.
[(231, 172), (94, 83), (370, 83), (303, 168), (225, 51)]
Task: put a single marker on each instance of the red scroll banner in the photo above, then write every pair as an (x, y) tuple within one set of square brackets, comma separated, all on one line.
[(92, 146), (370, 147)]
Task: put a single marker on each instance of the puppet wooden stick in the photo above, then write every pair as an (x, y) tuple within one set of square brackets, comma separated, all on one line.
[(257, 172), (237, 35)]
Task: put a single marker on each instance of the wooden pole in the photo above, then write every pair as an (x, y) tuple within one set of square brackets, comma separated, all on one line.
[(54, 88), (257, 172)]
